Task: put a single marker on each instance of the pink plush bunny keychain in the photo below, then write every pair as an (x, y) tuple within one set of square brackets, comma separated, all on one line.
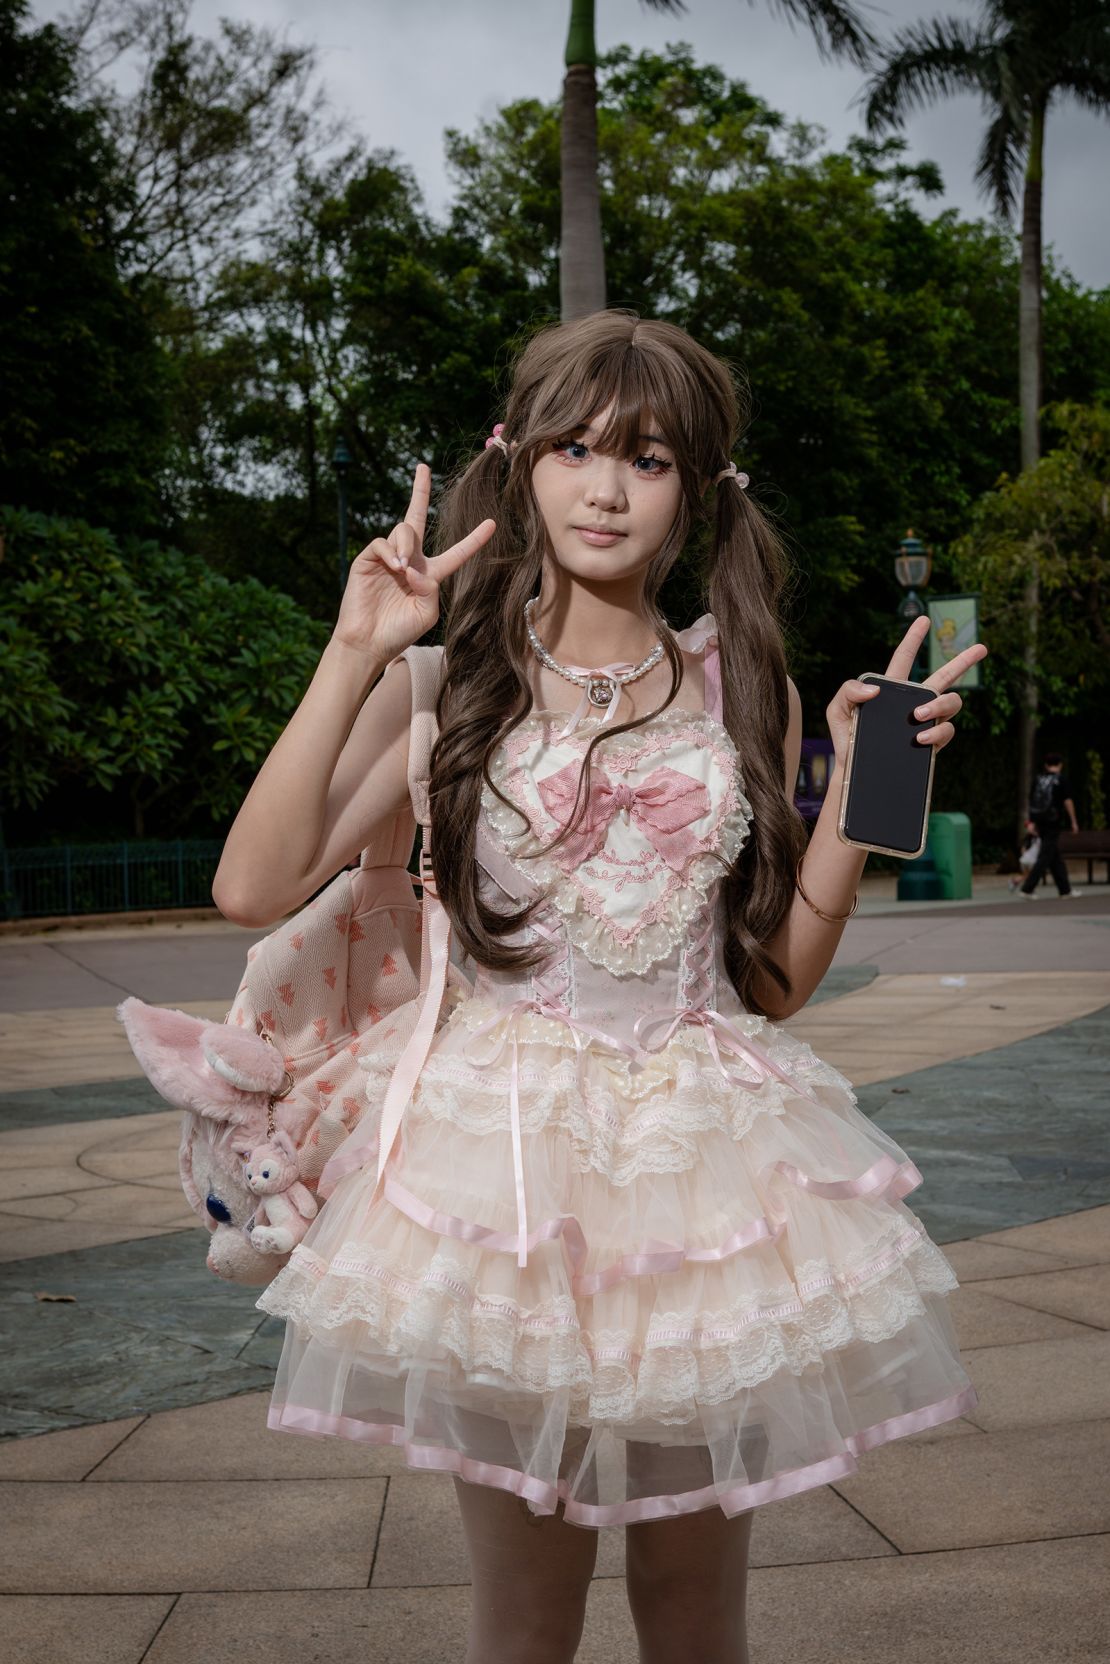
[(272, 1172)]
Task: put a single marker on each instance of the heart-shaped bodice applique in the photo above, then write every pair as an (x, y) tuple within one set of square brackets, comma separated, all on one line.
[(666, 815)]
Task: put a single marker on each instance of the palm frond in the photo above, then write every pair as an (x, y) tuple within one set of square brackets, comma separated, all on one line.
[(838, 29), (1001, 161), (1089, 85), (924, 62)]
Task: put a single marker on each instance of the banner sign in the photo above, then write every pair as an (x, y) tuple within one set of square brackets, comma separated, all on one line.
[(954, 625)]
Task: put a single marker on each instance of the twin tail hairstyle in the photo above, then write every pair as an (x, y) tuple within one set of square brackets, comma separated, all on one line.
[(566, 374)]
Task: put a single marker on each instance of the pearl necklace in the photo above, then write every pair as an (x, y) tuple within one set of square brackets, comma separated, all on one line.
[(602, 686)]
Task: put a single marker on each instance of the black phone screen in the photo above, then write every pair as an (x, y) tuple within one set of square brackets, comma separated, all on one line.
[(889, 773)]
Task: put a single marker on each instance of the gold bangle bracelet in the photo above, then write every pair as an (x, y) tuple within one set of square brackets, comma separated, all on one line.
[(832, 918)]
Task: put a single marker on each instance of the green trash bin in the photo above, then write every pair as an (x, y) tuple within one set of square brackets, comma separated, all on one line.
[(950, 841), (918, 880)]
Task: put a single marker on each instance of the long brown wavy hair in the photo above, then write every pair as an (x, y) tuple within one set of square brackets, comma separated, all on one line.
[(566, 375)]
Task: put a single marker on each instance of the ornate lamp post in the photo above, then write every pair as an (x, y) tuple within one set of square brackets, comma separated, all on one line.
[(341, 461), (912, 565)]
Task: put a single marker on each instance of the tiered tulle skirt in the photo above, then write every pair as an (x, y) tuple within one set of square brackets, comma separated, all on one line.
[(726, 1300)]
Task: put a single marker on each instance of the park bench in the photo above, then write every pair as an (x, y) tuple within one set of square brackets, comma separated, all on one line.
[(1089, 846)]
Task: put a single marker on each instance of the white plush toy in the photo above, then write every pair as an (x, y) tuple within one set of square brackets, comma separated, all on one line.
[(271, 1172)]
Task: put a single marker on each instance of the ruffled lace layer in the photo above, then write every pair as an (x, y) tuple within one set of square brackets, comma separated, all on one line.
[(726, 1299)]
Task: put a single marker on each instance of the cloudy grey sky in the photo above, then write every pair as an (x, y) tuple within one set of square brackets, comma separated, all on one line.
[(403, 73)]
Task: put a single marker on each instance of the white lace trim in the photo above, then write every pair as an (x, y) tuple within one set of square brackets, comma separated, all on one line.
[(586, 924), (687, 1357), (617, 1122)]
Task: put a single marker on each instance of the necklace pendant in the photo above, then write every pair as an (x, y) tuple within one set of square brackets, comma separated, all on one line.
[(599, 692)]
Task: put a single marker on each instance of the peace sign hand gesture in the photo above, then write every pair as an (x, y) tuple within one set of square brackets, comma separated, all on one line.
[(391, 597), (945, 705)]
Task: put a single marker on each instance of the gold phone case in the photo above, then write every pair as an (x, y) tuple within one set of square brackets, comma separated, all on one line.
[(856, 843)]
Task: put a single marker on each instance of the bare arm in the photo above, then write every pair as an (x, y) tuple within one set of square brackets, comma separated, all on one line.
[(338, 769), (1070, 807), (804, 943), (341, 765)]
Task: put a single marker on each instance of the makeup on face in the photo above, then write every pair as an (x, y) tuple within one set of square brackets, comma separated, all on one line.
[(593, 501)]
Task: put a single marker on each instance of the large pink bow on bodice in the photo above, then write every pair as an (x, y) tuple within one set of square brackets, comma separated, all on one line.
[(662, 806)]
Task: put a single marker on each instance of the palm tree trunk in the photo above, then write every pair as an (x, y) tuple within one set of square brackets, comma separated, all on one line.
[(1031, 378), (581, 254)]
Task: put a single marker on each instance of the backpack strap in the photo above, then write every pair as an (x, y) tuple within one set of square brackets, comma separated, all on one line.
[(426, 670), (426, 667)]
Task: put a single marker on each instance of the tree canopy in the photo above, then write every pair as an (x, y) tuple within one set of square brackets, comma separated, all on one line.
[(877, 344)]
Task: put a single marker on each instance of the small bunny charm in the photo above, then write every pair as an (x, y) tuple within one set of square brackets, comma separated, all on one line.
[(271, 1172)]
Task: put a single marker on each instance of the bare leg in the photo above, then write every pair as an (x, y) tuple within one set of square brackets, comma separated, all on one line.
[(530, 1575), (687, 1587)]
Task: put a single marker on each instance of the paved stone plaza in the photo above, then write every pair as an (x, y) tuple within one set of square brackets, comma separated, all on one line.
[(148, 1511)]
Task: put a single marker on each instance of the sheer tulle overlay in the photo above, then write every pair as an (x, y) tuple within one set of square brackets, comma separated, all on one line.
[(725, 1301)]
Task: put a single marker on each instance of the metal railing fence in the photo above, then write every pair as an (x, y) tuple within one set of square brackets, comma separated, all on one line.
[(67, 879)]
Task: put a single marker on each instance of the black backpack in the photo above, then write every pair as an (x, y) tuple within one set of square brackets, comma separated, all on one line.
[(1043, 806)]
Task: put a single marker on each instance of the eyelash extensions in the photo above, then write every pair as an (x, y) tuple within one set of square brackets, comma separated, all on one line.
[(662, 465)]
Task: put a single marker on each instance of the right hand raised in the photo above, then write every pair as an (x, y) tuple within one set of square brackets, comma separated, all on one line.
[(392, 594)]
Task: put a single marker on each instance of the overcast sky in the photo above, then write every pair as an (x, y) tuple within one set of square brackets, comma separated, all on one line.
[(403, 73)]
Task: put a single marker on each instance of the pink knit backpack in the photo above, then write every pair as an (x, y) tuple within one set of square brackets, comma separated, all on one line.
[(342, 990)]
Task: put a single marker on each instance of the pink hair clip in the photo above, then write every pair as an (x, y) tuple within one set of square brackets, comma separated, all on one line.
[(729, 472), (496, 439)]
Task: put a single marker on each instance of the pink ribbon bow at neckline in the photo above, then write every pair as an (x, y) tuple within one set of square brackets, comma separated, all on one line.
[(663, 807)]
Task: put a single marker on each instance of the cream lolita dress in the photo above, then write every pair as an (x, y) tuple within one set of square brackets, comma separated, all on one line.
[(634, 1247)]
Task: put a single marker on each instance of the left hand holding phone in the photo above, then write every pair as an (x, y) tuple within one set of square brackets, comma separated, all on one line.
[(943, 705)]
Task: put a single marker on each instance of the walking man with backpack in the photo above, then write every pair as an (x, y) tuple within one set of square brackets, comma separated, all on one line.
[(1049, 800)]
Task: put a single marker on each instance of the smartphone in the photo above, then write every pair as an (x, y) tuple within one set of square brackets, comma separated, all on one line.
[(888, 776)]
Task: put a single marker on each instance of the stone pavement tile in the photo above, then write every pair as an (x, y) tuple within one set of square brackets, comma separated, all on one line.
[(42, 1239), (94, 1629), (422, 1542), (1083, 1237), (143, 1538), (228, 1439), (70, 1454), (135, 1149), (982, 1320), (427, 1626), (1026, 1603), (138, 1204), (65, 1047), (92, 1366), (160, 962), (976, 1261), (39, 1177), (1082, 1294), (162, 1285), (1019, 1486), (377, 1626), (1041, 1382), (816, 1525), (86, 1101), (909, 1022)]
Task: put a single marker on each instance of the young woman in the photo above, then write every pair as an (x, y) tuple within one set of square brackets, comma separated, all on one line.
[(640, 1259)]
